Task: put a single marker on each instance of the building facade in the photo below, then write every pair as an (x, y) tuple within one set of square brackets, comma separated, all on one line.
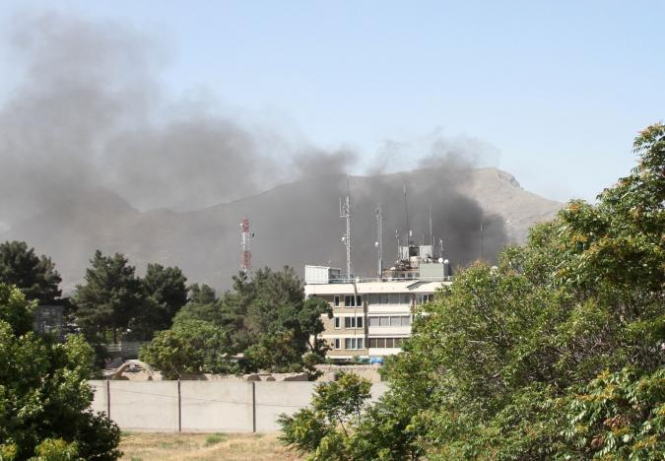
[(372, 317)]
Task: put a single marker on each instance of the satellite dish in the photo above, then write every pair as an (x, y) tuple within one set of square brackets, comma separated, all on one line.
[(376, 244), (445, 261), (440, 260), (344, 239)]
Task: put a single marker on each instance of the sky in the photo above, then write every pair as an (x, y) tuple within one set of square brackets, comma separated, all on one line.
[(553, 92)]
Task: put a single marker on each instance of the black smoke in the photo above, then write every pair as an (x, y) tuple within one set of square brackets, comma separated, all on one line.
[(90, 142)]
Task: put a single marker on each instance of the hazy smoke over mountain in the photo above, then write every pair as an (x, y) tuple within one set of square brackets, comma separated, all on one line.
[(89, 120)]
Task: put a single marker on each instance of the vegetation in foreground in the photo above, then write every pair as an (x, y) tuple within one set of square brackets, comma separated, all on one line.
[(557, 353), (230, 447), (44, 394)]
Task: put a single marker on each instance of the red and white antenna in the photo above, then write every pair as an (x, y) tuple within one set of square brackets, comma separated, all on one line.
[(246, 255)]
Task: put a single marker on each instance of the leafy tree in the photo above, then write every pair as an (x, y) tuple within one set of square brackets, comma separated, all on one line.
[(34, 275), (269, 307), (44, 395), (112, 299), (323, 430), (201, 294), (558, 353), (266, 322), (190, 347), (167, 288)]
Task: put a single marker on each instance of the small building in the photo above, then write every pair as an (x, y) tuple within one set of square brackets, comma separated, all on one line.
[(372, 317), (50, 319)]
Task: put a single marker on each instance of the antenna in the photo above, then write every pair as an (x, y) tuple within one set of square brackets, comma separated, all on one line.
[(399, 251), (431, 234), (246, 255), (379, 239), (440, 248), (406, 207), (345, 213)]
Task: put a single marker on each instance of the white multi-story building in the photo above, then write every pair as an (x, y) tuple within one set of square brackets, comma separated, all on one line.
[(371, 317)]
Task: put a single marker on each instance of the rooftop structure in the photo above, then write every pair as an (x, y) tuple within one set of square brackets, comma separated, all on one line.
[(373, 316)]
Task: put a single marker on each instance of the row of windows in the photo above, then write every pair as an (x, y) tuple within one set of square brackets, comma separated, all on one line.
[(385, 343), (349, 322), (392, 321), (387, 298), (350, 344)]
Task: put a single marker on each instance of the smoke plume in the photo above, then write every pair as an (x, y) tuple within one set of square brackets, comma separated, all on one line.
[(90, 143)]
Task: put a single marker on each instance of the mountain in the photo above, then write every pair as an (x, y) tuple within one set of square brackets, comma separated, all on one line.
[(295, 224)]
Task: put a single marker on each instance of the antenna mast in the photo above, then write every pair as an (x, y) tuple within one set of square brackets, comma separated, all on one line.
[(379, 239), (345, 213), (246, 254), (431, 233), (408, 226)]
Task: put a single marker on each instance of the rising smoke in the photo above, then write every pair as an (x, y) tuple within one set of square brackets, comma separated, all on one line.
[(89, 141)]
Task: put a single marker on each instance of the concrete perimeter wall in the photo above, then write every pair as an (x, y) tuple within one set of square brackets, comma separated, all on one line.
[(203, 406)]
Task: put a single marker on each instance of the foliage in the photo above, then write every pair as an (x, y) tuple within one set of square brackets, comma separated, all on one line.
[(558, 353), (190, 347), (34, 275), (14, 310), (323, 430), (44, 395), (261, 324), (115, 303), (167, 288)]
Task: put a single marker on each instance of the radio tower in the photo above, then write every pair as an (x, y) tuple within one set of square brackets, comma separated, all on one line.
[(379, 239), (246, 255), (345, 213)]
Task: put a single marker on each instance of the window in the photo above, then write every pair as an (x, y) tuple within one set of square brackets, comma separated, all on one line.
[(395, 321), (374, 299), (384, 321), (349, 301), (405, 298), (406, 321), (385, 299), (338, 323), (359, 301), (353, 322), (385, 343), (353, 344), (373, 321), (337, 344), (336, 301)]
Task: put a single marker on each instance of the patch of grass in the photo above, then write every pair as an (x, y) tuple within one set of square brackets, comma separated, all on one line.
[(164, 446), (214, 439)]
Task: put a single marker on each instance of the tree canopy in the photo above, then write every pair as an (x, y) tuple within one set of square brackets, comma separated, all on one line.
[(557, 353), (263, 323), (114, 302), (34, 275), (44, 395)]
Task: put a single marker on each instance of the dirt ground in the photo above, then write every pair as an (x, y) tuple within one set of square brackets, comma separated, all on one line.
[(232, 447)]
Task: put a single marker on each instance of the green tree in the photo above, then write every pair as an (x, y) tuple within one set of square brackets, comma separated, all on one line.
[(323, 430), (111, 300), (34, 275), (557, 353), (44, 395), (167, 288), (266, 321), (201, 294), (190, 347)]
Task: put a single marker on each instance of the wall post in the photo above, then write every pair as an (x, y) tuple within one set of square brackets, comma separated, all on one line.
[(108, 399), (179, 408), (253, 406)]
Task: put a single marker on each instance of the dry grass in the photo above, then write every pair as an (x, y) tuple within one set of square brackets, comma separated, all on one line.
[(233, 447)]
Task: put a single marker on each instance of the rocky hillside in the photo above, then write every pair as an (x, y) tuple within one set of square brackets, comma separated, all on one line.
[(294, 224)]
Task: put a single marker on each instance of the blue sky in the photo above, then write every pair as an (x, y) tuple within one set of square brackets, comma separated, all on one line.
[(559, 89)]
